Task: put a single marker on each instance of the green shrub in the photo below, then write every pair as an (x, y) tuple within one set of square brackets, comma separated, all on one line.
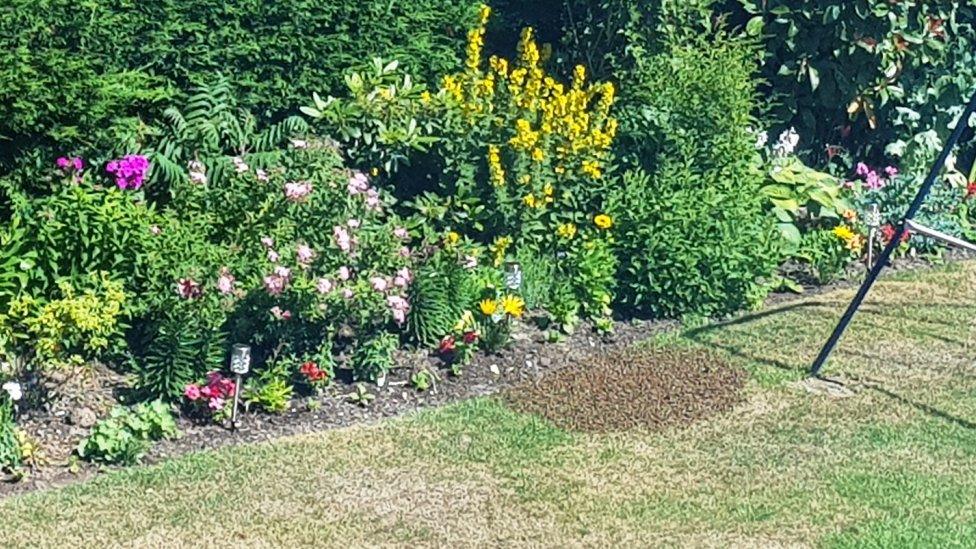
[(692, 235), (441, 291), (881, 79), (128, 433), (373, 357), (69, 71)]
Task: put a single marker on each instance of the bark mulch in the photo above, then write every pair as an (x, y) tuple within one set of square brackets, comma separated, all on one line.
[(647, 389)]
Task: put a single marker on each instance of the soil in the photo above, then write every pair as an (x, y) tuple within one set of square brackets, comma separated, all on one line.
[(526, 360), (643, 389)]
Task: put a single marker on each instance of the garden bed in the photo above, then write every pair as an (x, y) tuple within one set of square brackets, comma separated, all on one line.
[(527, 360)]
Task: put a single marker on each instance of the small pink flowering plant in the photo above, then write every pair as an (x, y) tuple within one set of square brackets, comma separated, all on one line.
[(213, 397)]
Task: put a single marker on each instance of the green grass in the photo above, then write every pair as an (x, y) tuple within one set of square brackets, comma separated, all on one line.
[(891, 465)]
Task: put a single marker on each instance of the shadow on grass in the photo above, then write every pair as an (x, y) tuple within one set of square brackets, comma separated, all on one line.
[(921, 406)]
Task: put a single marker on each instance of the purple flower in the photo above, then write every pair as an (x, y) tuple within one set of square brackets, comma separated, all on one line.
[(129, 171), (874, 181), (891, 171), (862, 169)]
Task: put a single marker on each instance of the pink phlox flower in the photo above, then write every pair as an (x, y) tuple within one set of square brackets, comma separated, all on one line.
[(358, 183), (298, 191), (225, 282), (344, 273), (324, 285), (379, 283), (304, 254)]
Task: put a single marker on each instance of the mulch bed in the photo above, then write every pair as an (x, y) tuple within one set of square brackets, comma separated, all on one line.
[(530, 356), (646, 389)]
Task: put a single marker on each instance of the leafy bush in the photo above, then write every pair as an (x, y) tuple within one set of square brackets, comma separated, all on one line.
[(877, 78), (373, 358), (692, 235), (128, 433), (84, 322), (54, 54)]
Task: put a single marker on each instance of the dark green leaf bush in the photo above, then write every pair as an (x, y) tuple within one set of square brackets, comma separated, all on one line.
[(880, 79), (692, 235), (76, 72)]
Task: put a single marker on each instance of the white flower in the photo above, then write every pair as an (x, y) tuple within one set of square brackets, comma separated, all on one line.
[(761, 139), (13, 389), (787, 143)]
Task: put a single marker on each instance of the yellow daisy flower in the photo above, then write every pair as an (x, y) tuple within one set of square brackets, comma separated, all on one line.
[(603, 221), (488, 307), (513, 305)]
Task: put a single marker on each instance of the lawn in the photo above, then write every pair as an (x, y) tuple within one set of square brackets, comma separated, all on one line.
[(888, 462)]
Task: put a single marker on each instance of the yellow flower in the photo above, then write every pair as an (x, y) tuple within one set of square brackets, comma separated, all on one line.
[(566, 230), (603, 221), (538, 155), (484, 13), (425, 97), (495, 170), (843, 232), (855, 243), (374, 172), (548, 190), (592, 169), (453, 238), (488, 307), (529, 200), (513, 305)]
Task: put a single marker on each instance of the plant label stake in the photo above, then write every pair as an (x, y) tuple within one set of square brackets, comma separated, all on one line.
[(906, 224), (240, 363), (873, 221), (513, 276)]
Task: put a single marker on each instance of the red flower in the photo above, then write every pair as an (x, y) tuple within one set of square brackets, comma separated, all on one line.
[(470, 337), (447, 345), (888, 232), (312, 372), (971, 190)]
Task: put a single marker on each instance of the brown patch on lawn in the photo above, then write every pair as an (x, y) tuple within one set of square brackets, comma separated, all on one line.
[(648, 389)]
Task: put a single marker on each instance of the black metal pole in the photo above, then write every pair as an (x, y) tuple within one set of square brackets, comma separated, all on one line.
[(885, 256)]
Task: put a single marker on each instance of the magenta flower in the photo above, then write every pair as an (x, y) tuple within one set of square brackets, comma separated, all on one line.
[(891, 171), (129, 171), (67, 164), (862, 169)]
